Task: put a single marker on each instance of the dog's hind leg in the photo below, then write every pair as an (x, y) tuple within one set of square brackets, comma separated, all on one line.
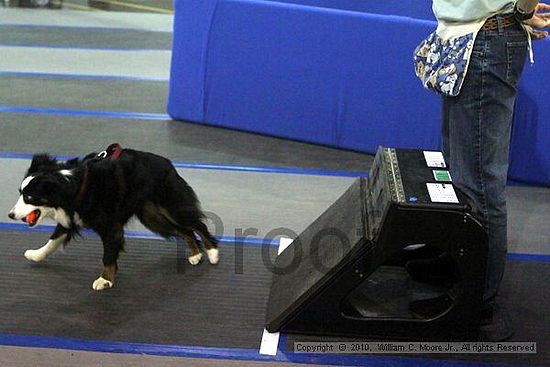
[(196, 255), (113, 242), (159, 220), (183, 210), (56, 240), (210, 243)]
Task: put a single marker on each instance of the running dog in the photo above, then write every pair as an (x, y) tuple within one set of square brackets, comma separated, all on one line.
[(102, 192)]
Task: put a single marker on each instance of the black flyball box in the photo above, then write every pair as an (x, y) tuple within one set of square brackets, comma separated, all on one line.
[(408, 199)]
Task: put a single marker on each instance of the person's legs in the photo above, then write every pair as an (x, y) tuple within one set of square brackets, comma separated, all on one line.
[(476, 127)]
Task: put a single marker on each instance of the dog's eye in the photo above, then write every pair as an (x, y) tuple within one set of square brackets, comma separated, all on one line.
[(27, 198)]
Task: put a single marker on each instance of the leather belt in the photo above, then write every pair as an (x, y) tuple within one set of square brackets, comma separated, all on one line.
[(492, 23)]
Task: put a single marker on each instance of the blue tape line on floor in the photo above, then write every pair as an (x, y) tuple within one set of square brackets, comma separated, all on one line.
[(78, 47), (225, 167), (539, 258), (223, 353), (80, 76), (111, 114), (130, 348), (249, 241), (90, 28), (267, 169)]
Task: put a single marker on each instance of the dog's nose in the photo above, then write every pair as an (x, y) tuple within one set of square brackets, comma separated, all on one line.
[(11, 215)]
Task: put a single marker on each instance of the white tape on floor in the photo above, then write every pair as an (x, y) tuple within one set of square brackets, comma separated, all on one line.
[(153, 64), (270, 341), (76, 18)]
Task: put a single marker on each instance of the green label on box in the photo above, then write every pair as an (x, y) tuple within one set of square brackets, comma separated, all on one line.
[(441, 175)]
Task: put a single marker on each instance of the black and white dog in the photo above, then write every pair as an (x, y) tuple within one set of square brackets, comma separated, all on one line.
[(102, 192)]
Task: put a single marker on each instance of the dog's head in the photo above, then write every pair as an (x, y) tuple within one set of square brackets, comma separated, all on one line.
[(43, 191)]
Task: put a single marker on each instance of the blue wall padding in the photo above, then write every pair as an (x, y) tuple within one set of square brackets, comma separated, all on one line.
[(421, 9), (530, 149), (308, 71)]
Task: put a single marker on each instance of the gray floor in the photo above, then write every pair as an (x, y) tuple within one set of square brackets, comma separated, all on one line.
[(529, 215), (159, 298), (99, 38), (242, 200), (180, 141), (84, 94)]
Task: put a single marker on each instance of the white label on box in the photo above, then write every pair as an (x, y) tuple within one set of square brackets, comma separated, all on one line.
[(442, 193), (434, 159)]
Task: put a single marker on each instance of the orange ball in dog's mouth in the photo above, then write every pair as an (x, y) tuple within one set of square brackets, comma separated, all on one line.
[(32, 218)]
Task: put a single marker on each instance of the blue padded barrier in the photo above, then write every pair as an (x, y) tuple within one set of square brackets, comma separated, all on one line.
[(421, 9), (306, 70), (530, 148)]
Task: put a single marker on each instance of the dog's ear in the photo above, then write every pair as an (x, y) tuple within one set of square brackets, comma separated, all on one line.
[(41, 162), (49, 187)]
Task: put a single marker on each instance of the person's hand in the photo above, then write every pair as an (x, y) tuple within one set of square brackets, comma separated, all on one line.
[(540, 20), (536, 35)]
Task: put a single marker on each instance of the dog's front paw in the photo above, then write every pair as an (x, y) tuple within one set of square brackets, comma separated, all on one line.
[(34, 255), (195, 259), (101, 284), (213, 255)]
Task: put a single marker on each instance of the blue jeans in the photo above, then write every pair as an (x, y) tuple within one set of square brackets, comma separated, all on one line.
[(476, 128)]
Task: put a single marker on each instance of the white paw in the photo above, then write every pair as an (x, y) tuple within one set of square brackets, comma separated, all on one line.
[(101, 283), (195, 259), (213, 255), (34, 255)]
